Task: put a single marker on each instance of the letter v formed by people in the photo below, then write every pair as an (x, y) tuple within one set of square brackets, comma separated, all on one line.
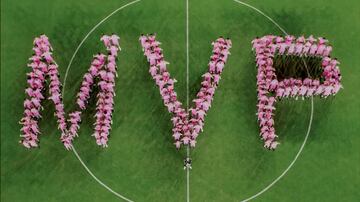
[(186, 124)]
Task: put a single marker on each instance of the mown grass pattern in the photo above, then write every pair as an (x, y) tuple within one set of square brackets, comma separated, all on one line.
[(229, 163)]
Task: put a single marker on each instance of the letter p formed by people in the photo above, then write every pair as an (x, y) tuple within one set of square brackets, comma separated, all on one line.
[(273, 54)]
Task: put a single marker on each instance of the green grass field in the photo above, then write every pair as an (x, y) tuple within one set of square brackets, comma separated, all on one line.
[(141, 162)]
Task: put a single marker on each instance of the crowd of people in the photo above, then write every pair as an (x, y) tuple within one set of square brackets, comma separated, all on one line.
[(269, 89), (103, 68), (186, 124)]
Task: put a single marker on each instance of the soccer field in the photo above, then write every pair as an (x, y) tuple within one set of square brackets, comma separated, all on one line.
[(141, 163)]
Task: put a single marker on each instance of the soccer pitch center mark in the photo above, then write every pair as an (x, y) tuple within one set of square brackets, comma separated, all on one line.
[(187, 76), (311, 113), (63, 91)]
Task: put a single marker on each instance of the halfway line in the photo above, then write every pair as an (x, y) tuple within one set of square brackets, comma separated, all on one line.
[(187, 98)]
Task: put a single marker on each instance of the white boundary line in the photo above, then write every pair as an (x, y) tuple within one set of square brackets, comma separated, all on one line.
[(63, 90), (87, 35), (97, 179), (187, 54), (310, 121), (262, 13), (187, 98)]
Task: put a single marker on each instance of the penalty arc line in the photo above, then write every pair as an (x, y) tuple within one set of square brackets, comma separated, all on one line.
[(97, 179), (63, 90), (87, 35), (262, 13), (119, 195), (311, 113)]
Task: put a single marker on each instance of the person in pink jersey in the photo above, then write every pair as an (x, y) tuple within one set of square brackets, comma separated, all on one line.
[(113, 50), (322, 40), (320, 50), (106, 40), (327, 51), (219, 67), (115, 40), (313, 49), (274, 145)]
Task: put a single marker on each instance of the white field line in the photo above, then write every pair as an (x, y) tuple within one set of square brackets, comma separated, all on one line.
[(187, 97), (187, 54), (87, 35), (311, 113), (97, 179), (262, 13), (187, 64), (63, 92)]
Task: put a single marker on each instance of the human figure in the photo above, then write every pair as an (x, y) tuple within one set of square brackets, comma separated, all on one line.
[(187, 163)]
